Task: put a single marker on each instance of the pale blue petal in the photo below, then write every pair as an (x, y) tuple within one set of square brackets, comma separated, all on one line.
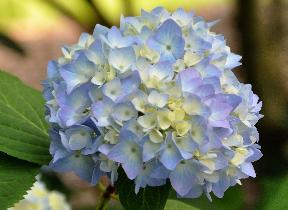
[(182, 17), (215, 82), (93, 148), (79, 137), (195, 192), (122, 58), (69, 116), (233, 61), (177, 47), (150, 150), (144, 179), (193, 106), (52, 70), (256, 153), (130, 83), (160, 172), (167, 31), (198, 130), (127, 152), (155, 45), (95, 52), (77, 99), (73, 80), (124, 112), (189, 80), (97, 174), (95, 94), (99, 30), (231, 99), (113, 89), (160, 12), (78, 72), (115, 38), (186, 146), (64, 140), (184, 177), (162, 70), (168, 41), (170, 156), (82, 165), (206, 69), (132, 167), (247, 168), (101, 111), (220, 111), (196, 43), (105, 148), (205, 91), (57, 149), (222, 185)]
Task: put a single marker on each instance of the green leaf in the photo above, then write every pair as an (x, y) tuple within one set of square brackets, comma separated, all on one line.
[(178, 205), (233, 199), (149, 198), (16, 177), (23, 130), (274, 193), (114, 205)]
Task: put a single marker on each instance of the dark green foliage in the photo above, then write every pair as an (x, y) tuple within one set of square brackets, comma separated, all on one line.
[(150, 198), (23, 130), (16, 177)]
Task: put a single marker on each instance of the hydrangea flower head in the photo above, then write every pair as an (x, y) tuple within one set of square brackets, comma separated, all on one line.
[(158, 98)]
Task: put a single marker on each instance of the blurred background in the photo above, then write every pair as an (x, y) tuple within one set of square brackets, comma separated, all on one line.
[(32, 32)]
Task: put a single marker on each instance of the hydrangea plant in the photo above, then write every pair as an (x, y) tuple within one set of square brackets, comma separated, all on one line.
[(157, 97)]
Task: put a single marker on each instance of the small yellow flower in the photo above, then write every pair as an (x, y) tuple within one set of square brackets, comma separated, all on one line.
[(156, 136), (240, 156), (151, 55), (192, 58), (111, 136), (175, 103), (182, 127)]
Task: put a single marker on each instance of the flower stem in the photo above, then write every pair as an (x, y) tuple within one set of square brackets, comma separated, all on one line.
[(106, 196)]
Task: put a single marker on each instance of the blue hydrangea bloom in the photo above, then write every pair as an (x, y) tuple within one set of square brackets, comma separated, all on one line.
[(158, 98)]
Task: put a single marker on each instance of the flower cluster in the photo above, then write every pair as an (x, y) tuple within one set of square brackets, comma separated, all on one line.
[(157, 97), (40, 198)]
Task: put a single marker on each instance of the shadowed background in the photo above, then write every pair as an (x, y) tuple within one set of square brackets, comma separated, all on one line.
[(33, 31)]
